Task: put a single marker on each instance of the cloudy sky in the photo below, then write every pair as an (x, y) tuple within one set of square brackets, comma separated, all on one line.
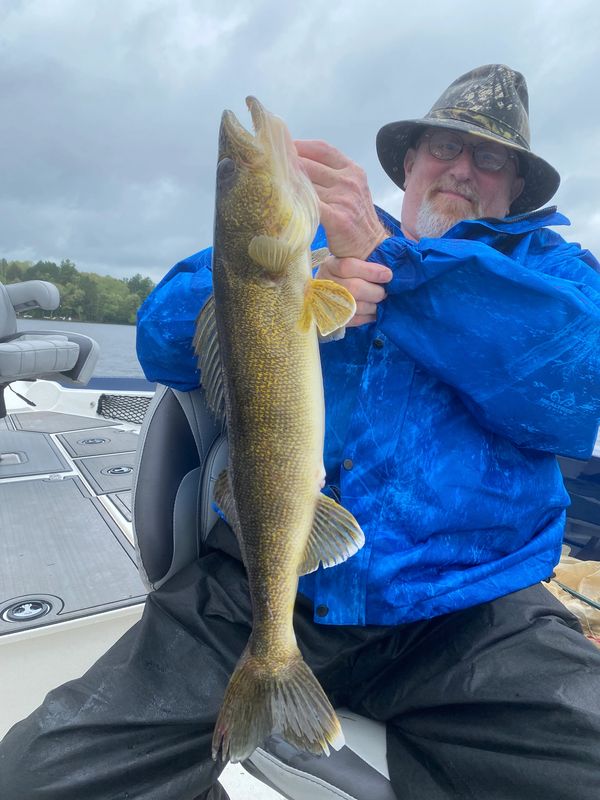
[(110, 110)]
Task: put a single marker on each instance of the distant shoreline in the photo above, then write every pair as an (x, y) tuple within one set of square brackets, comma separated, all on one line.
[(107, 300), (23, 318)]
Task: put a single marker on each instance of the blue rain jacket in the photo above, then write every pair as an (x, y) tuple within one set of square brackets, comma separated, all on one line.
[(444, 417)]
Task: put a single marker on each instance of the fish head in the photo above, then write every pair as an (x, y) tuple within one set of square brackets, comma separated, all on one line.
[(262, 190)]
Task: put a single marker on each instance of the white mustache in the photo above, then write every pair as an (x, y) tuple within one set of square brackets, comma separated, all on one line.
[(463, 189)]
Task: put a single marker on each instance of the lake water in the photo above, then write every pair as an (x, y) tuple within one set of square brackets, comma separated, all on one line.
[(117, 344)]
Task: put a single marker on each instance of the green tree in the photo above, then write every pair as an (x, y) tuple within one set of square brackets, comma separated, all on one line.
[(140, 286), (72, 301), (43, 271), (84, 296), (68, 272), (16, 270), (88, 282)]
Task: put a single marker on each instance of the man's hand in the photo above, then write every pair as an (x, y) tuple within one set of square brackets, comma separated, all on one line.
[(363, 279), (347, 211)]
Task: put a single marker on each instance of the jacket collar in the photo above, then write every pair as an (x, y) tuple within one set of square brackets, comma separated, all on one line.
[(521, 223)]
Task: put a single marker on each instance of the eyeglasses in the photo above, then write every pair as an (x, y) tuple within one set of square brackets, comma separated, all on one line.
[(447, 146)]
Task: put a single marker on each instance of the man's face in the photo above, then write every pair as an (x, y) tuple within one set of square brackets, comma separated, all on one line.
[(439, 193)]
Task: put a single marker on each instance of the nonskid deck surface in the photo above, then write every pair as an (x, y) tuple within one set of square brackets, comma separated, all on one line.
[(65, 516), (66, 550)]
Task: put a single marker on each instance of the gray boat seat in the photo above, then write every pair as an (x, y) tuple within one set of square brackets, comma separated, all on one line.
[(181, 452), (28, 355)]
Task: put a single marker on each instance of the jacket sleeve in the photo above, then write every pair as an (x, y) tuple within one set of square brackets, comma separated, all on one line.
[(166, 323), (517, 337)]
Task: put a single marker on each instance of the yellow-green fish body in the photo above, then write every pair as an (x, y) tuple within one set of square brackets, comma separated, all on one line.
[(259, 357)]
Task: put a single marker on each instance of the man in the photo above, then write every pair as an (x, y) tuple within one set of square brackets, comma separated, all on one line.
[(472, 359)]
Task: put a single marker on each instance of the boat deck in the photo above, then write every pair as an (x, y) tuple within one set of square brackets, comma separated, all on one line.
[(65, 494), (69, 583)]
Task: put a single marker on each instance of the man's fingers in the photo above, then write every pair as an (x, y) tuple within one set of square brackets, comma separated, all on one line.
[(322, 152), (347, 211), (365, 291), (356, 268), (365, 282), (361, 319), (333, 185), (320, 175), (367, 310)]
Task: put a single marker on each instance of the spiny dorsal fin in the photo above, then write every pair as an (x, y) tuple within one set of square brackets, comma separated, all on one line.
[(335, 536), (271, 254), (328, 304), (206, 346), (318, 256)]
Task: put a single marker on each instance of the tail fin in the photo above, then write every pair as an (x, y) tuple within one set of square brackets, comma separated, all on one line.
[(289, 702)]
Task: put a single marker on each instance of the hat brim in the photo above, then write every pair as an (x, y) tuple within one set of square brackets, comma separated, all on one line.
[(395, 138)]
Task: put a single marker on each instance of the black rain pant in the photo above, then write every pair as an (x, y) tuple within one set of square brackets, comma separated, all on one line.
[(497, 702)]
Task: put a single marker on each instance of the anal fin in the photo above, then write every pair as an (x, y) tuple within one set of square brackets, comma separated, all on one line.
[(335, 536)]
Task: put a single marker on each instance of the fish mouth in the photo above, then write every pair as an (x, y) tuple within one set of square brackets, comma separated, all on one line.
[(271, 141), (236, 142), (258, 112), (271, 157)]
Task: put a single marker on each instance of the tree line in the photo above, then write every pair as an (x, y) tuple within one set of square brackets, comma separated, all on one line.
[(84, 296)]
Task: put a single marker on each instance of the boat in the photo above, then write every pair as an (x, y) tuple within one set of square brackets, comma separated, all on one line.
[(83, 542)]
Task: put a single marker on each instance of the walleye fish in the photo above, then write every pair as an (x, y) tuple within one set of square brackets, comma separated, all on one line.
[(259, 357)]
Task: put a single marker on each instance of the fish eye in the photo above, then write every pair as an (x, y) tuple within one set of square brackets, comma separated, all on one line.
[(225, 169)]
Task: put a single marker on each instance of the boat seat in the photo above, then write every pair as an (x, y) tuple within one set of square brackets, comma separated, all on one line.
[(181, 452), (29, 355)]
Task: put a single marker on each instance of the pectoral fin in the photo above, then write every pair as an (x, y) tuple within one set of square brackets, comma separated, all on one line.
[(206, 346), (328, 304), (335, 536), (272, 254)]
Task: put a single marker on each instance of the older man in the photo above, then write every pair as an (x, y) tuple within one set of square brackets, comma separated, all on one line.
[(472, 360), (466, 170)]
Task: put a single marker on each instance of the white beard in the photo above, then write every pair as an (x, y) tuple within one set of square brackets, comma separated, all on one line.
[(432, 222)]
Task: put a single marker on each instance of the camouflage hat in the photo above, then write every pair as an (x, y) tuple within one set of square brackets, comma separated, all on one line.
[(490, 102)]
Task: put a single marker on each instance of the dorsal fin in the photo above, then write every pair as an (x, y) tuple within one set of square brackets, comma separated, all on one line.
[(206, 346)]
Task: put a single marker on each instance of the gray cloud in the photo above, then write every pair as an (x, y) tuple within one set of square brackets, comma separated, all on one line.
[(110, 112)]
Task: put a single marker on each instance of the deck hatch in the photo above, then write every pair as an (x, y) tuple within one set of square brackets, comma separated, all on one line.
[(110, 473), (55, 421), (100, 441), (61, 542), (25, 453)]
